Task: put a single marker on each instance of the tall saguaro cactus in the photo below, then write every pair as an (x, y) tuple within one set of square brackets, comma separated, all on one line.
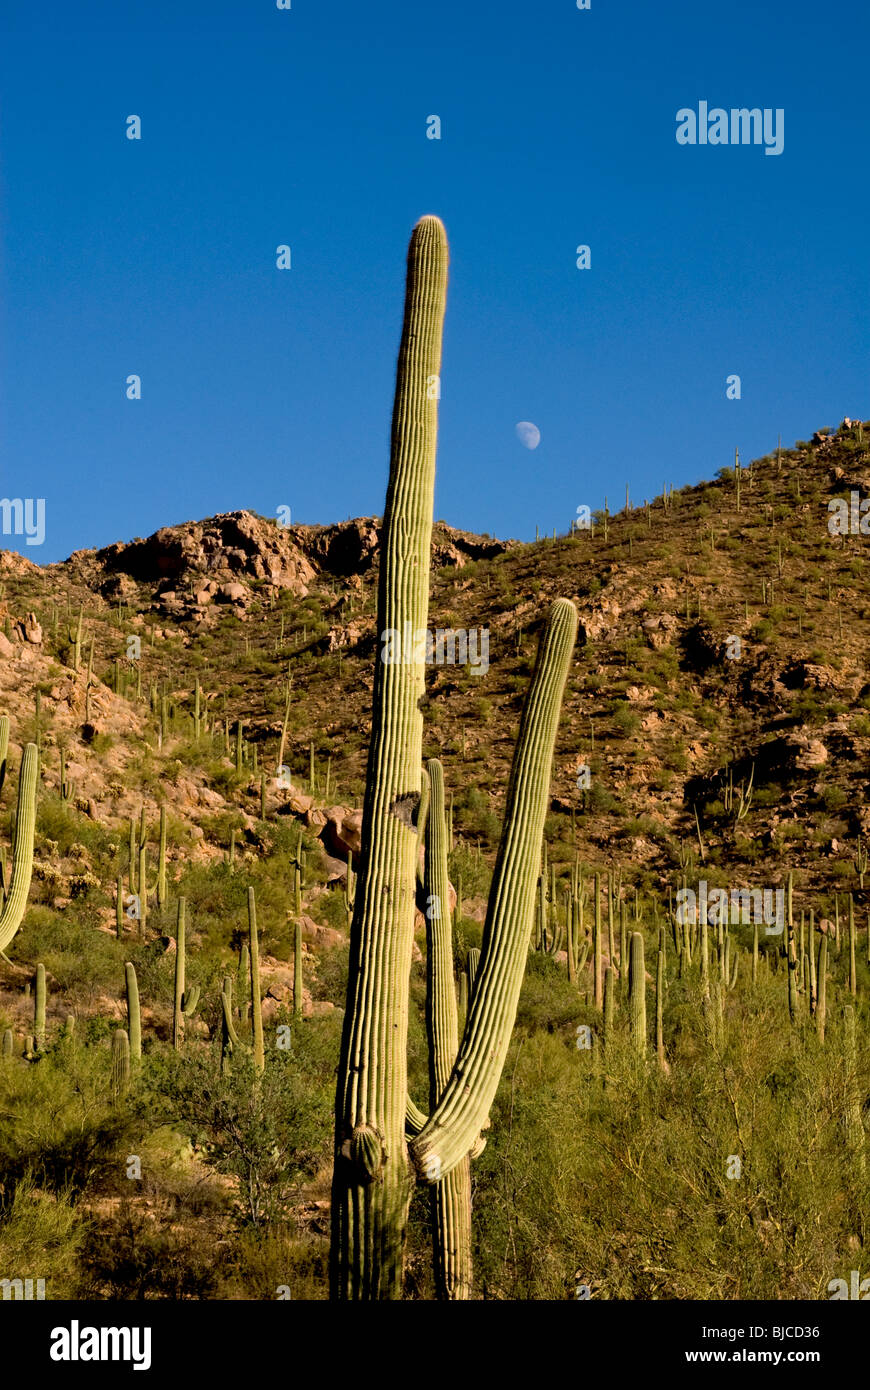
[(372, 1180), (22, 848), (371, 1187)]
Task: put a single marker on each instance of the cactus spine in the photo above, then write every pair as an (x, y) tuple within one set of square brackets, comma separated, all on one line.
[(22, 849), (134, 1016)]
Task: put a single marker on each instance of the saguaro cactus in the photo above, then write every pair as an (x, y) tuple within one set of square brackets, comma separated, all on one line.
[(297, 968), (120, 1063), (451, 1197), (371, 1189), (637, 993), (134, 1016), (256, 1001), (40, 994), (371, 1184), (22, 848), (185, 1000)]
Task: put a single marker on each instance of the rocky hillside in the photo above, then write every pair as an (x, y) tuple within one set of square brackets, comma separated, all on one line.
[(723, 640)]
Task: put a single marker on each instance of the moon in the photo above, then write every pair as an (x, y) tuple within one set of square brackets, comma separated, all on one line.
[(528, 434)]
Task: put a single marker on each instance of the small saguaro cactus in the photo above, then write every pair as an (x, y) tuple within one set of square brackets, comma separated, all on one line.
[(185, 1000), (66, 787), (161, 861), (120, 1064), (854, 1123), (8, 1046), (256, 1001), (297, 968), (637, 993), (75, 637), (22, 848), (134, 1016), (40, 994)]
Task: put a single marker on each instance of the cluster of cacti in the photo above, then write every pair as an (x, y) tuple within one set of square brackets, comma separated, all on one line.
[(371, 1190)]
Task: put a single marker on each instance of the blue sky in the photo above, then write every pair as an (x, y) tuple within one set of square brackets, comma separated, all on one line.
[(264, 388)]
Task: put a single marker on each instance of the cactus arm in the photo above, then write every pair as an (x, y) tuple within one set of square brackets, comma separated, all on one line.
[(369, 1218), (22, 852), (414, 1118), (229, 1026), (464, 1106)]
